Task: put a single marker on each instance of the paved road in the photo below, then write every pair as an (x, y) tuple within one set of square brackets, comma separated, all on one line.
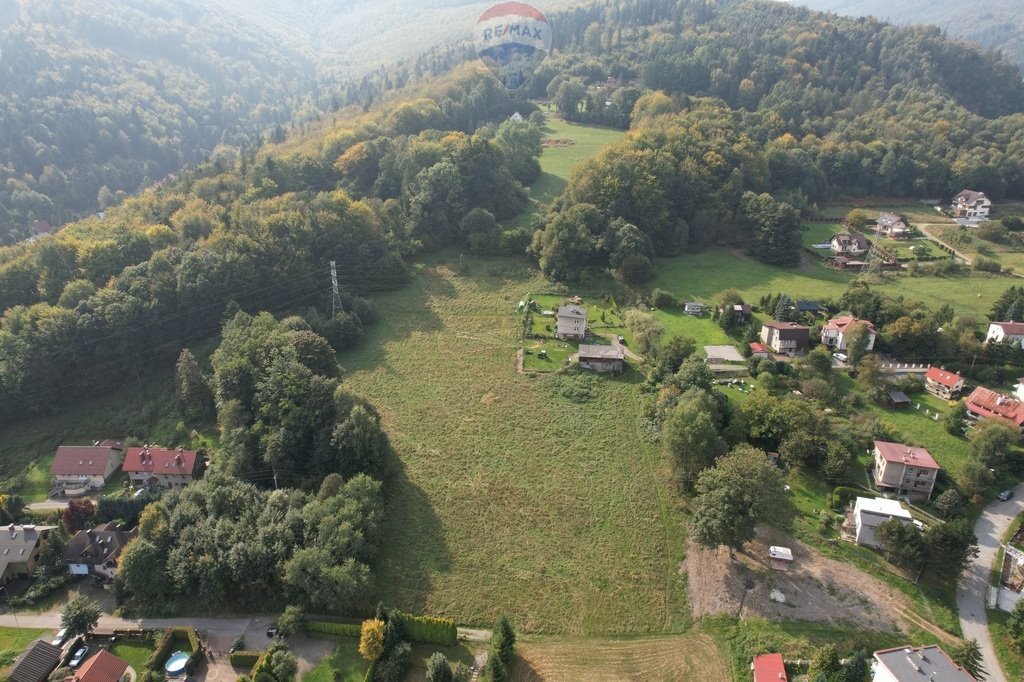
[(971, 597)]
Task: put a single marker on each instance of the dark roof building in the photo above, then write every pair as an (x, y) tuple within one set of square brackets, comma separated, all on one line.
[(36, 664), (97, 550)]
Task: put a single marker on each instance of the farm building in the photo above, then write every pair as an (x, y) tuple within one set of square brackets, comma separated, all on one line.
[(602, 358), (571, 323), (898, 400)]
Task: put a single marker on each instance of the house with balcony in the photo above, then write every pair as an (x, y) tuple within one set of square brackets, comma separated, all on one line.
[(904, 469)]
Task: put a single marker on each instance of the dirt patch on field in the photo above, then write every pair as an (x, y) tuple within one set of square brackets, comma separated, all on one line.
[(557, 143), (815, 588), (682, 657)]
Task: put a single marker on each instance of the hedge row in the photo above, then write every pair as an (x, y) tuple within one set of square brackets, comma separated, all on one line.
[(244, 659), (327, 628), (166, 642), (844, 495), (429, 629)]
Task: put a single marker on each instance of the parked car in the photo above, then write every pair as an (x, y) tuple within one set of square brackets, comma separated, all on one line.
[(59, 638), (841, 357), (79, 656), (272, 631), (1005, 495)]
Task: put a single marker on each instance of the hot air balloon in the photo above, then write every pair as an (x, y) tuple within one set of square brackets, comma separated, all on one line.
[(512, 39)]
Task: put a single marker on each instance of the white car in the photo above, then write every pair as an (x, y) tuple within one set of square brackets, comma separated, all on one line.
[(59, 638), (79, 656), (841, 357)]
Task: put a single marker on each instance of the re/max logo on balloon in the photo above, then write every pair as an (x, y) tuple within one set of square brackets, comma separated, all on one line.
[(520, 30), (512, 39)]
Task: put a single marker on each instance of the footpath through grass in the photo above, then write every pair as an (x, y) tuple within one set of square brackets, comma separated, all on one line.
[(532, 496)]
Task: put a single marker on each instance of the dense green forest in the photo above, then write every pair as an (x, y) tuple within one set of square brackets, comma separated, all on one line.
[(103, 98), (996, 24), (742, 115)]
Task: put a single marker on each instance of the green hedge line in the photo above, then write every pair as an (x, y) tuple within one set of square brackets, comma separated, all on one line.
[(843, 495), (244, 659), (327, 628), (166, 642), (429, 629)]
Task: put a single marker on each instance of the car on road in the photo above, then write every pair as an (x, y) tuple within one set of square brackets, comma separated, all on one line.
[(79, 656), (1005, 495), (272, 631), (841, 357), (59, 638)]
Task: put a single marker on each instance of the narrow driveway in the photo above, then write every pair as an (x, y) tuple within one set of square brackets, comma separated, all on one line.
[(971, 595)]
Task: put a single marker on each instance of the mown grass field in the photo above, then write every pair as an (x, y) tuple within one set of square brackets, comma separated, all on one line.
[(693, 656), (703, 275), (136, 653), (344, 665), (507, 496)]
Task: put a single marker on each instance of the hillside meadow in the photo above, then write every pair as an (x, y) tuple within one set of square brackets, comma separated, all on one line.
[(506, 488)]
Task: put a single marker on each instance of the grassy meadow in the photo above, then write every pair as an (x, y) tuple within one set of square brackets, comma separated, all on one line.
[(508, 489)]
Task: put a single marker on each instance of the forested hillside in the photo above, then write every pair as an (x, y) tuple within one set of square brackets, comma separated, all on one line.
[(742, 114), (103, 98), (996, 24)]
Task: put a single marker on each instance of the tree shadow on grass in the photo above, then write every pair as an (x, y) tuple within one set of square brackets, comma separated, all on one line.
[(413, 545)]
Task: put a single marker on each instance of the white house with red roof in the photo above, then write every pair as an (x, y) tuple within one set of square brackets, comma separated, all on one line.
[(154, 467), (835, 334), (984, 403), (769, 668), (945, 384), (905, 469), (78, 466), (103, 667), (1005, 332)]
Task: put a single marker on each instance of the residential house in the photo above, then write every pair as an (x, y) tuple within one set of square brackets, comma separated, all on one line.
[(892, 226), (759, 350), (849, 244), (835, 334), (971, 205), (516, 117), (788, 338), (103, 667), (19, 550), (871, 512), (811, 307), (946, 385), (161, 468), (917, 664), (742, 312), (571, 323), (983, 403), (694, 308), (905, 469), (96, 551), (602, 358), (78, 466), (35, 665), (769, 668), (1006, 332)]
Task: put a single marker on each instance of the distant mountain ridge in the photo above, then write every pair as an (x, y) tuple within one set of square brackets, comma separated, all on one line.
[(995, 24)]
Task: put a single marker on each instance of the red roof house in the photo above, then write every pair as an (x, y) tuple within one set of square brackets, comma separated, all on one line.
[(906, 469), (769, 668), (759, 350), (947, 385), (986, 404), (161, 467), (75, 466), (103, 667)]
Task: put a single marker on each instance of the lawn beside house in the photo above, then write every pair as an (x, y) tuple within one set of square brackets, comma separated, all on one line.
[(13, 642), (136, 652), (344, 665)]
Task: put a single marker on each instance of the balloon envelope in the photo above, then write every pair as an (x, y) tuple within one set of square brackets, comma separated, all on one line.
[(512, 39)]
